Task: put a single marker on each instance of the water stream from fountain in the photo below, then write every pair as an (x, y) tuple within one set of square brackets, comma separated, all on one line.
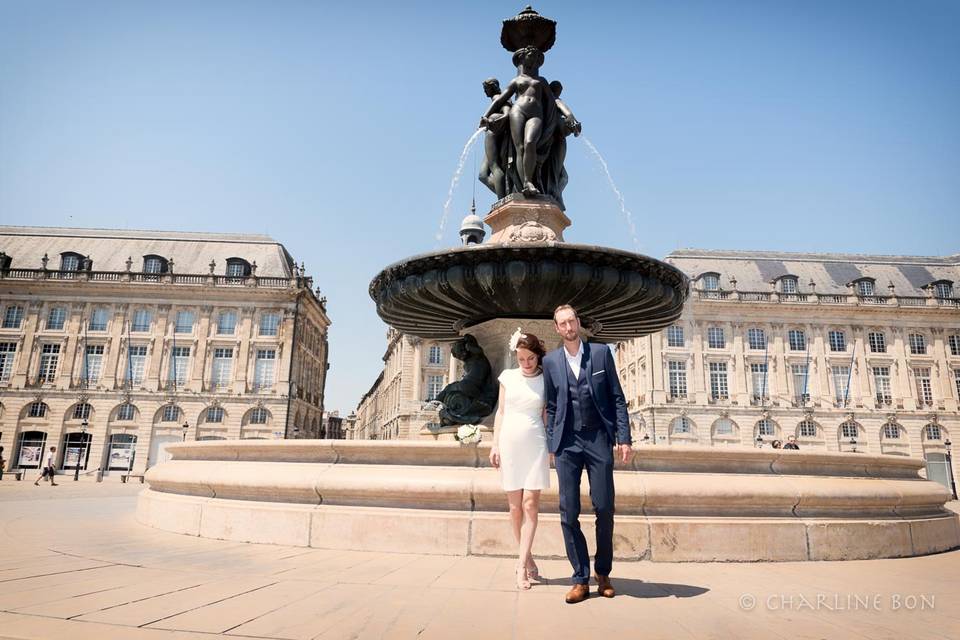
[(627, 215), (454, 181)]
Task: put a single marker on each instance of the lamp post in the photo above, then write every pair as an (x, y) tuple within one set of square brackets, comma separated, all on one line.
[(953, 484), (186, 427), (759, 442), (83, 442), (853, 443)]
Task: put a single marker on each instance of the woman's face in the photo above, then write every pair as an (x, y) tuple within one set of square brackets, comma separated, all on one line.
[(527, 360)]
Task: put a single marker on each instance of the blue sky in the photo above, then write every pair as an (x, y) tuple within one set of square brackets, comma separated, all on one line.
[(335, 127)]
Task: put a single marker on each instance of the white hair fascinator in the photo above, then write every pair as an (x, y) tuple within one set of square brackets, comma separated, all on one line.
[(515, 338)]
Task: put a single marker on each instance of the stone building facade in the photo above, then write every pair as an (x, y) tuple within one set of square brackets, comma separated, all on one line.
[(845, 352), (114, 343), (414, 372)]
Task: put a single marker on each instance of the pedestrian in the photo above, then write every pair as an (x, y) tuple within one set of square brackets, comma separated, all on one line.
[(48, 470), (2, 463), (792, 443), (776, 444)]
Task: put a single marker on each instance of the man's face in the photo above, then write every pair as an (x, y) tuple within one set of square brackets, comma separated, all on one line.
[(567, 325)]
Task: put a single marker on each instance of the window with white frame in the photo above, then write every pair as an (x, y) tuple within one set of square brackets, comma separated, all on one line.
[(93, 363), (918, 344), (838, 340), (674, 336), (841, 379), (807, 429), (434, 386), (8, 351), (932, 431), (756, 339), (682, 425), (924, 385), (56, 318), (943, 290), (171, 413), (49, 359), (711, 282), (37, 410), (849, 430), (865, 287), (184, 322), (258, 416), (799, 373), (141, 321), (12, 317), (723, 427), (98, 319), (877, 342), (69, 262), (222, 368), (263, 369), (766, 427), (881, 381), (226, 323), (269, 324), (954, 342), (715, 338), (81, 411), (797, 340), (137, 363), (758, 378), (677, 374), (891, 431), (718, 381), (126, 412), (153, 264), (214, 414), (788, 285), (435, 355), (180, 364)]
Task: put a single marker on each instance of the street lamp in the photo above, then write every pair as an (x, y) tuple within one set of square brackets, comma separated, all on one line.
[(759, 442), (83, 442), (853, 443), (953, 484), (186, 427)]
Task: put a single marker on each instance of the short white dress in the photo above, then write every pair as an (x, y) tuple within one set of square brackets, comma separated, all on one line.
[(523, 440)]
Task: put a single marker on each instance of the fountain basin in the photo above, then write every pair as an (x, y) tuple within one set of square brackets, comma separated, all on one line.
[(682, 503)]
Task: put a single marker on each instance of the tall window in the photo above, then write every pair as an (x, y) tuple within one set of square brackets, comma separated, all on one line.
[(7, 351), (807, 429), (756, 338), (715, 338), (877, 342), (98, 319), (918, 344), (881, 380), (226, 323), (674, 336), (849, 430), (758, 376), (37, 410), (718, 381), (12, 317), (954, 342), (797, 340), (171, 413), (81, 411), (838, 341), (943, 290), (436, 354), (932, 431), (801, 391), (263, 370), (141, 321), (865, 287), (677, 371), (841, 378), (222, 367), (269, 324), (434, 386), (215, 414), (184, 322), (180, 364), (49, 358), (788, 285), (682, 425), (891, 431), (137, 364), (258, 416), (711, 282), (126, 412), (924, 385), (766, 428), (56, 318), (93, 363)]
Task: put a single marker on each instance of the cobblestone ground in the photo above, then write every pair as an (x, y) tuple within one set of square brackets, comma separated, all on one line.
[(75, 564)]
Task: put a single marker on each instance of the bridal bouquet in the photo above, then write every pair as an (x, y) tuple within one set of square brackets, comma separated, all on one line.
[(468, 434)]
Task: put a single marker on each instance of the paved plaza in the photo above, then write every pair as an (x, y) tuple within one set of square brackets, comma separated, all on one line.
[(75, 564)]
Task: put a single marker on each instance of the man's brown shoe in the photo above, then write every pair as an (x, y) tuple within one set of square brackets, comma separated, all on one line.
[(578, 593), (604, 587)]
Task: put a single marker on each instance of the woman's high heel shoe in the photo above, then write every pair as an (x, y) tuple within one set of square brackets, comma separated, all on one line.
[(523, 583), (533, 572)]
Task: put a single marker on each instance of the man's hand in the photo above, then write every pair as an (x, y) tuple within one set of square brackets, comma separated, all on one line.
[(624, 451), (495, 456)]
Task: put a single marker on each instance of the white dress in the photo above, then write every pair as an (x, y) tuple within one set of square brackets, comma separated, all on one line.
[(523, 440)]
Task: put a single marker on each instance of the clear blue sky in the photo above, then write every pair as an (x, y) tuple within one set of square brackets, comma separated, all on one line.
[(335, 127)]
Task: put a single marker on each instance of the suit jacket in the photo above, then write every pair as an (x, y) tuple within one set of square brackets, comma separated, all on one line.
[(604, 388)]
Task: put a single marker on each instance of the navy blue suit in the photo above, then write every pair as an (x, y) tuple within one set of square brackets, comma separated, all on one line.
[(586, 415)]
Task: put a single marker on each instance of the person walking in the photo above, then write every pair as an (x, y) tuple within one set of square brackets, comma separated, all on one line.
[(48, 469)]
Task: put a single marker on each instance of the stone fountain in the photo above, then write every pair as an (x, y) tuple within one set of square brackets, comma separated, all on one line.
[(674, 503)]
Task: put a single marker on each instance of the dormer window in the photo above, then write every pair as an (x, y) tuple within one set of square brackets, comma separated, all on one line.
[(70, 261), (788, 284), (943, 289), (864, 287), (154, 264), (237, 268), (711, 281)]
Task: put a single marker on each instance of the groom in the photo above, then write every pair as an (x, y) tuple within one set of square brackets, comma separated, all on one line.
[(586, 416)]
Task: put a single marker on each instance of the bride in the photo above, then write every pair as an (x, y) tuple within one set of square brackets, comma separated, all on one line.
[(519, 447)]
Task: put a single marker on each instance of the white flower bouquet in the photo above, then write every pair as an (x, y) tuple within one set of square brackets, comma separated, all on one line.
[(468, 434)]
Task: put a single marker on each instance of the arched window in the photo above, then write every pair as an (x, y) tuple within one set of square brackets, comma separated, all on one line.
[(766, 427), (126, 412), (259, 415), (788, 284), (237, 268), (37, 410), (807, 429), (681, 426), (724, 427), (155, 264), (82, 411), (71, 261), (710, 281), (932, 432), (214, 414), (943, 289), (865, 287), (849, 429), (891, 431), (171, 413)]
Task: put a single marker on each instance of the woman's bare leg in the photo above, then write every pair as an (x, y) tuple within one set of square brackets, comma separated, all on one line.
[(515, 500), (531, 511)]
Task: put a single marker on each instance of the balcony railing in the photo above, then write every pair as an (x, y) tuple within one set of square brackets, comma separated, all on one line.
[(192, 279), (826, 298)]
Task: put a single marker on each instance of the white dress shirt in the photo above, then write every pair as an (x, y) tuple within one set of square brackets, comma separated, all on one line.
[(575, 360)]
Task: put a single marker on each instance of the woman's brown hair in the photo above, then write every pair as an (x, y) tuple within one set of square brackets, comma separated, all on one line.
[(532, 343)]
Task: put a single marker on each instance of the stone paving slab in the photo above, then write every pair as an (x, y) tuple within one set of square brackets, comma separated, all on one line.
[(75, 564)]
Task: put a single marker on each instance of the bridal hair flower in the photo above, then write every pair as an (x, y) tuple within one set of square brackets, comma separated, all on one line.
[(515, 338)]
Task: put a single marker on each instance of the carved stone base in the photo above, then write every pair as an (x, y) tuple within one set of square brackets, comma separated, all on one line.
[(526, 220)]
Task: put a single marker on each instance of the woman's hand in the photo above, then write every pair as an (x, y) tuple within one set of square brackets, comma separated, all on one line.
[(495, 456)]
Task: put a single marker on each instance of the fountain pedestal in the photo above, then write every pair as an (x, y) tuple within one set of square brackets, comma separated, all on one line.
[(518, 219)]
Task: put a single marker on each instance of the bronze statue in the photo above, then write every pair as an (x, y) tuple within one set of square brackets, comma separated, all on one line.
[(496, 162), (473, 397)]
